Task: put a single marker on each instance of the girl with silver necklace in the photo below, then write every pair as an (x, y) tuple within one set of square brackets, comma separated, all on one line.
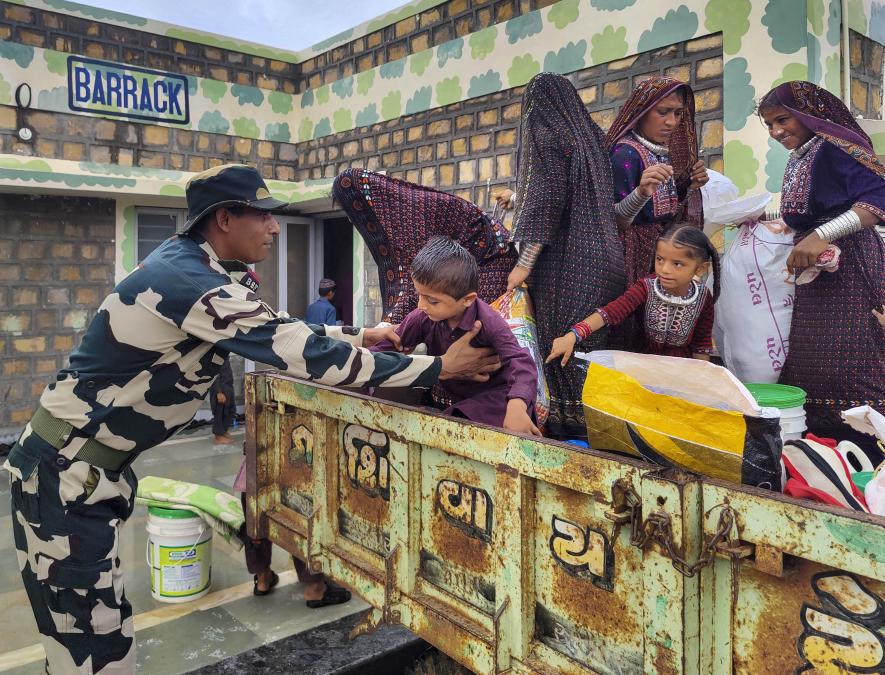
[(676, 311)]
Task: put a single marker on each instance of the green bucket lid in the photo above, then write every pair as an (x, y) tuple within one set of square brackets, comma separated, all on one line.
[(862, 478), (161, 512), (781, 396)]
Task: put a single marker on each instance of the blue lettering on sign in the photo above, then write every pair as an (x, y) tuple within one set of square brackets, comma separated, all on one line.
[(127, 91)]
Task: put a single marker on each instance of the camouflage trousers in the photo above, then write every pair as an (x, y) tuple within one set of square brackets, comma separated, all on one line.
[(66, 519)]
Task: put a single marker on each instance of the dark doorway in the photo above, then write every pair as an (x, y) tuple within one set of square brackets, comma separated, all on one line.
[(338, 264)]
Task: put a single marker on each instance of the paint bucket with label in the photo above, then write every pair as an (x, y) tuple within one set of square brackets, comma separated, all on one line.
[(179, 554)]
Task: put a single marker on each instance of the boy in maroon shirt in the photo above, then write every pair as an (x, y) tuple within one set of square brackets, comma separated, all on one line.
[(445, 277)]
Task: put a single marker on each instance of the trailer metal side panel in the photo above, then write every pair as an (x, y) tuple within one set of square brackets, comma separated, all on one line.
[(528, 555)]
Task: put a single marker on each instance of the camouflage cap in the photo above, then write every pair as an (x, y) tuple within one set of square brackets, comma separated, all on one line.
[(227, 185)]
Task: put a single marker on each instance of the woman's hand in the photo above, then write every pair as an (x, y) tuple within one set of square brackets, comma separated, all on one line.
[(502, 198), (805, 253), (517, 277), (880, 316), (517, 418), (563, 347), (221, 398), (652, 177), (699, 176)]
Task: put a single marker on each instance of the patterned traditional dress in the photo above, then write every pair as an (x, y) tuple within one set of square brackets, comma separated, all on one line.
[(837, 348), (673, 325), (632, 154), (563, 203), (396, 218)]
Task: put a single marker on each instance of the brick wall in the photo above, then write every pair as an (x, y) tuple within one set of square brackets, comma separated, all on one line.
[(97, 40), (447, 21), (462, 146), (56, 266), (470, 148), (866, 67), (82, 138), (452, 19)]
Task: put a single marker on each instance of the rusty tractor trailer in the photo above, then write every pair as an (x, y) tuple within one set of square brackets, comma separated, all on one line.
[(521, 555)]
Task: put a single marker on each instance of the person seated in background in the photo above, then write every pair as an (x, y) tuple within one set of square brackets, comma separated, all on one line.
[(444, 275), (321, 311)]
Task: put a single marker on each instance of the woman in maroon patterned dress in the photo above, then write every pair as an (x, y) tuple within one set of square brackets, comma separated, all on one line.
[(397, 218)]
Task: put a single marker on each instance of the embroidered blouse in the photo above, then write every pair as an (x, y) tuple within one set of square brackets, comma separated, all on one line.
[(673, 326), (821, 181), (630, 157)]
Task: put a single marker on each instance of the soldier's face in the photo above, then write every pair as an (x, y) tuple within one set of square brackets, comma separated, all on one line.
[(251, 234)]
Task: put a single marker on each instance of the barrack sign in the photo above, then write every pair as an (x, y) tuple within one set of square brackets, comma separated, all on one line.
[(127, 91)]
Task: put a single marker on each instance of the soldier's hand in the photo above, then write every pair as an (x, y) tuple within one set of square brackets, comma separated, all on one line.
[(464, 362), (372, 336)]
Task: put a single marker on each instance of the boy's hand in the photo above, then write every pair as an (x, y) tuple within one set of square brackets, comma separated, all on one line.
[(517, 418), (463, 362), (372, 336), (221, 398), (563, 346)]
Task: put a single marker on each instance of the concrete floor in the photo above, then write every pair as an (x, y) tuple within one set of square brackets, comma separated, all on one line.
[(173, 638)]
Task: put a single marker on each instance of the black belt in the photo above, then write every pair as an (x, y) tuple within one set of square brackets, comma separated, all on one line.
[(56, 432)]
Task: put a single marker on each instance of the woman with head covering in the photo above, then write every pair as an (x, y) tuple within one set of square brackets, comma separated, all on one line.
[(833, 193), (655, 167), (396, 219), (570, 251)]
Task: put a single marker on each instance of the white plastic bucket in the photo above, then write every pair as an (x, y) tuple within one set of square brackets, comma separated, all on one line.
[(179, 554), (793, 423), (788, 400)]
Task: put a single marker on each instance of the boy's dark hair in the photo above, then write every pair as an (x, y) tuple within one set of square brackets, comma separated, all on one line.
[(446, 266), (693, 238)]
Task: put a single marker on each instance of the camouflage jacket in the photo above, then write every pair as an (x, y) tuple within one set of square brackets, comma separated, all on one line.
[(158, 341)]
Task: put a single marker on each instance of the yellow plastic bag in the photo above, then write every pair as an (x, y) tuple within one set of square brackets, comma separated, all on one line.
[(677, 412), (516, 308)]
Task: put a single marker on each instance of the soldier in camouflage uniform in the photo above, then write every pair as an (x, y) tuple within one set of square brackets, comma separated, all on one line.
[(142, 371)]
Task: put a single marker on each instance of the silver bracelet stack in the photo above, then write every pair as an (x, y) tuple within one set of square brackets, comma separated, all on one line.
[(528, 255), (840, 226), (630, 206)]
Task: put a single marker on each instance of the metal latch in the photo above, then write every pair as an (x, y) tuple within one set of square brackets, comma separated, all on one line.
[(658, 527)]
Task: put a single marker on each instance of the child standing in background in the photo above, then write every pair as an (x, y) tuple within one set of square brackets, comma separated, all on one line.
[(223, 404)]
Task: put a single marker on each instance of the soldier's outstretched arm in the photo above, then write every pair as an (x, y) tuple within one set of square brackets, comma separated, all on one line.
[(235, 319)]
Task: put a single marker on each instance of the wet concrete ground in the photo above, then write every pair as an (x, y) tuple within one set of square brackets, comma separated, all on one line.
[(173, 638)]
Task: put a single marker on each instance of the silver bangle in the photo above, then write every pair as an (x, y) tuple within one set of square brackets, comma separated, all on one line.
[(529, 254), (630, 206), (840, 226)]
